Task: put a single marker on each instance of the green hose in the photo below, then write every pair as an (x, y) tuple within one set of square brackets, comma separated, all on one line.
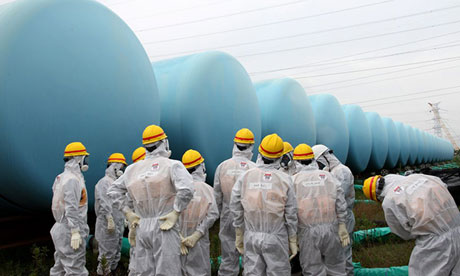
[(370, 234), (393, 271)]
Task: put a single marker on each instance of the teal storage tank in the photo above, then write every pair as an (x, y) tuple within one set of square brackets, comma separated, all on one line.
[(205, 99), (379, 141), (394, 143), (421, 148), (413, 145), (70, 70), (404, 143), (286, 110), (360, 147), (331, 125)]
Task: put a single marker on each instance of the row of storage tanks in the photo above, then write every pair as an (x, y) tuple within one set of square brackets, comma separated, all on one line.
[(71, 70)]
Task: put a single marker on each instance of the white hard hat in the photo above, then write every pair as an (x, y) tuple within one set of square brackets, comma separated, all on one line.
[(318, 150)]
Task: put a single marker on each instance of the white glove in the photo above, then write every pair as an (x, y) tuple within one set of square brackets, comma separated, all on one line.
[(343, 235), (132, 236), (170, 220), (75, 240), (126, 223), (132, 217), (110, 224), (183, 248), (191, 240), (239, 240), (293, 246)]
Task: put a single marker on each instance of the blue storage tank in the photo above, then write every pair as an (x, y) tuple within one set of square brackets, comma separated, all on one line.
[(205, 99), (379, 141), (359, 151), (425, 147), (70, 70), (404, 143), (421, 148), (331, 125), (394, 143), (413, 143), (286, 110)]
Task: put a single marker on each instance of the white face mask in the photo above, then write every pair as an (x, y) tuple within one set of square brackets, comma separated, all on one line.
[(119, 173)]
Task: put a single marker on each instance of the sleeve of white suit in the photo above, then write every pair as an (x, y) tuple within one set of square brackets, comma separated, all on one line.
[(72, 196), (183, 182), (117, 192), (397, 220), (290, 210), (105, 203), (340, 203), (218, 190), (235, 204), (211, 217), (343, 176)]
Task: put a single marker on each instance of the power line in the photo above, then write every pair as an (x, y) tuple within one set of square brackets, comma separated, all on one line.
[(220, 16), (408, 94), (304, 47), (411, 99), (392, 78), (352, 55), (345, 62), (340, 41), (374, 75), (302, 18), (378, 68), (179, 10)]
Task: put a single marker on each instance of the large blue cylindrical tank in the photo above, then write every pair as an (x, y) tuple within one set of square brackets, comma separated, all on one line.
[(331, 125), (286, 110), (70, 70), (413, 145), (421, 148), (394, 143), (205, 99), (425, 147), (404, 143), (379, 141), (360, 147)]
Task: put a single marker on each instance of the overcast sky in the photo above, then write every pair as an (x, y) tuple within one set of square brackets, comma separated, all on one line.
[(371, 53)]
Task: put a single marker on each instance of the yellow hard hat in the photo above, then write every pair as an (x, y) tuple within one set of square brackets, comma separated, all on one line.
[(192, 158), (244, 136), (138, 154), (287, 148), (117, 158), (272, 146), (152, 134), (303, 152), (75, 149), (370, 187)]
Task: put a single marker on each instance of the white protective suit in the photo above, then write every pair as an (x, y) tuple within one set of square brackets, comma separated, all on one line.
[(420, 207), (321, 206), (70, 208), (225, 177), (200, 215), (344, 175), (156, 186), (264, 205), (109, 243)]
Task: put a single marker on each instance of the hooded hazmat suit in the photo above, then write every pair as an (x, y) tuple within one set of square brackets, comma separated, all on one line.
[(420, 207), (70, 208), (156, 186), (263, 204), (109, 242), (200, 215), (225, 177), (321, 206), (344, 175)]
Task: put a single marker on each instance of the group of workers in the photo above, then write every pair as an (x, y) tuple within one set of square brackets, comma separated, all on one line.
[(289, 201)]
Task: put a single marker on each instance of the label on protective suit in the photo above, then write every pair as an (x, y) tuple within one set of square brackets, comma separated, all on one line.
[(411, 189), (313, 183), (260, 185), (234, 172)]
